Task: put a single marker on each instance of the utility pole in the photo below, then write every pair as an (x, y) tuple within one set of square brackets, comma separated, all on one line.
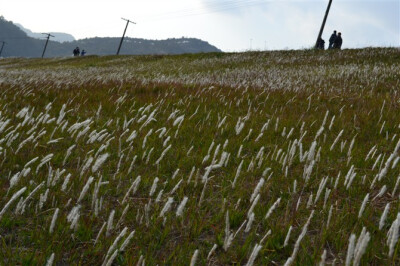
[(2, 46), (123, 36), (47, 41), (323, 22)]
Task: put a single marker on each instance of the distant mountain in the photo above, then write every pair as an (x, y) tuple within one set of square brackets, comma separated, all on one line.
[(58, 36), (19, 43)]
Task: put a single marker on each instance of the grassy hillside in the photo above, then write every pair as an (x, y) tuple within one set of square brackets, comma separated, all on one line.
[(212, 159)]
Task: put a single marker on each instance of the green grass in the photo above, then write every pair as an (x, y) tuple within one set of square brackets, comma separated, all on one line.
[(293, 90)]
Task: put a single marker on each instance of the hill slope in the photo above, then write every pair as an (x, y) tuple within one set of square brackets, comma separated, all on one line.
[(271, 158)]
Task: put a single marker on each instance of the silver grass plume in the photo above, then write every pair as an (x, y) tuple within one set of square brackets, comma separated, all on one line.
[(154, 186), (163, 154), (126, 241), (181, 206), (22, 208), (99, 162), (110, 223), (253, 255), (13, 198), (287, 238), (50, 261), (114, 244), (291, 259), (250, 211), (100, 232), (228, 235), (53, 220), (167, 206), (85, 189), (133, 188), (194, 258), (212, 251), (350, 249), (364, 203), (361, 246), (272, 208), (383, 217), (237, 174), (393, 235)]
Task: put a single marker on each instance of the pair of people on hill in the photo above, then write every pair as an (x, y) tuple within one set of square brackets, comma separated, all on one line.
[(77, 52), (335, 41)]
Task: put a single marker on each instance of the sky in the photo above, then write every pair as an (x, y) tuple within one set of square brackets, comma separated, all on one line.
[(231, 25)]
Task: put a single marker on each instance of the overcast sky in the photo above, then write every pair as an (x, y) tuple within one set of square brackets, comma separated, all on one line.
[(231, 25)]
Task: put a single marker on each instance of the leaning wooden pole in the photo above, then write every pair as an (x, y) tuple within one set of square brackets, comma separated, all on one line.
[(123, 35), (2, 46), (323, 23), (47, 41)]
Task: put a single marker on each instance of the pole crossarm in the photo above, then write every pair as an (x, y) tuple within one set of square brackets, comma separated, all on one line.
[(128, 20), (48, 35)]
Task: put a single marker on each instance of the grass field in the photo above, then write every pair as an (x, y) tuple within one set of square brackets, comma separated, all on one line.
[(260, 158)]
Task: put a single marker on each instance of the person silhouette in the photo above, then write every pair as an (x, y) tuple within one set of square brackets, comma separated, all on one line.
[(332, 39), (76, 51), (338, 41)]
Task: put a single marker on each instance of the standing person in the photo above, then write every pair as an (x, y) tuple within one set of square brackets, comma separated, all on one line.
[(332, 39), (83, 52), (76, 51), (338, 41)]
